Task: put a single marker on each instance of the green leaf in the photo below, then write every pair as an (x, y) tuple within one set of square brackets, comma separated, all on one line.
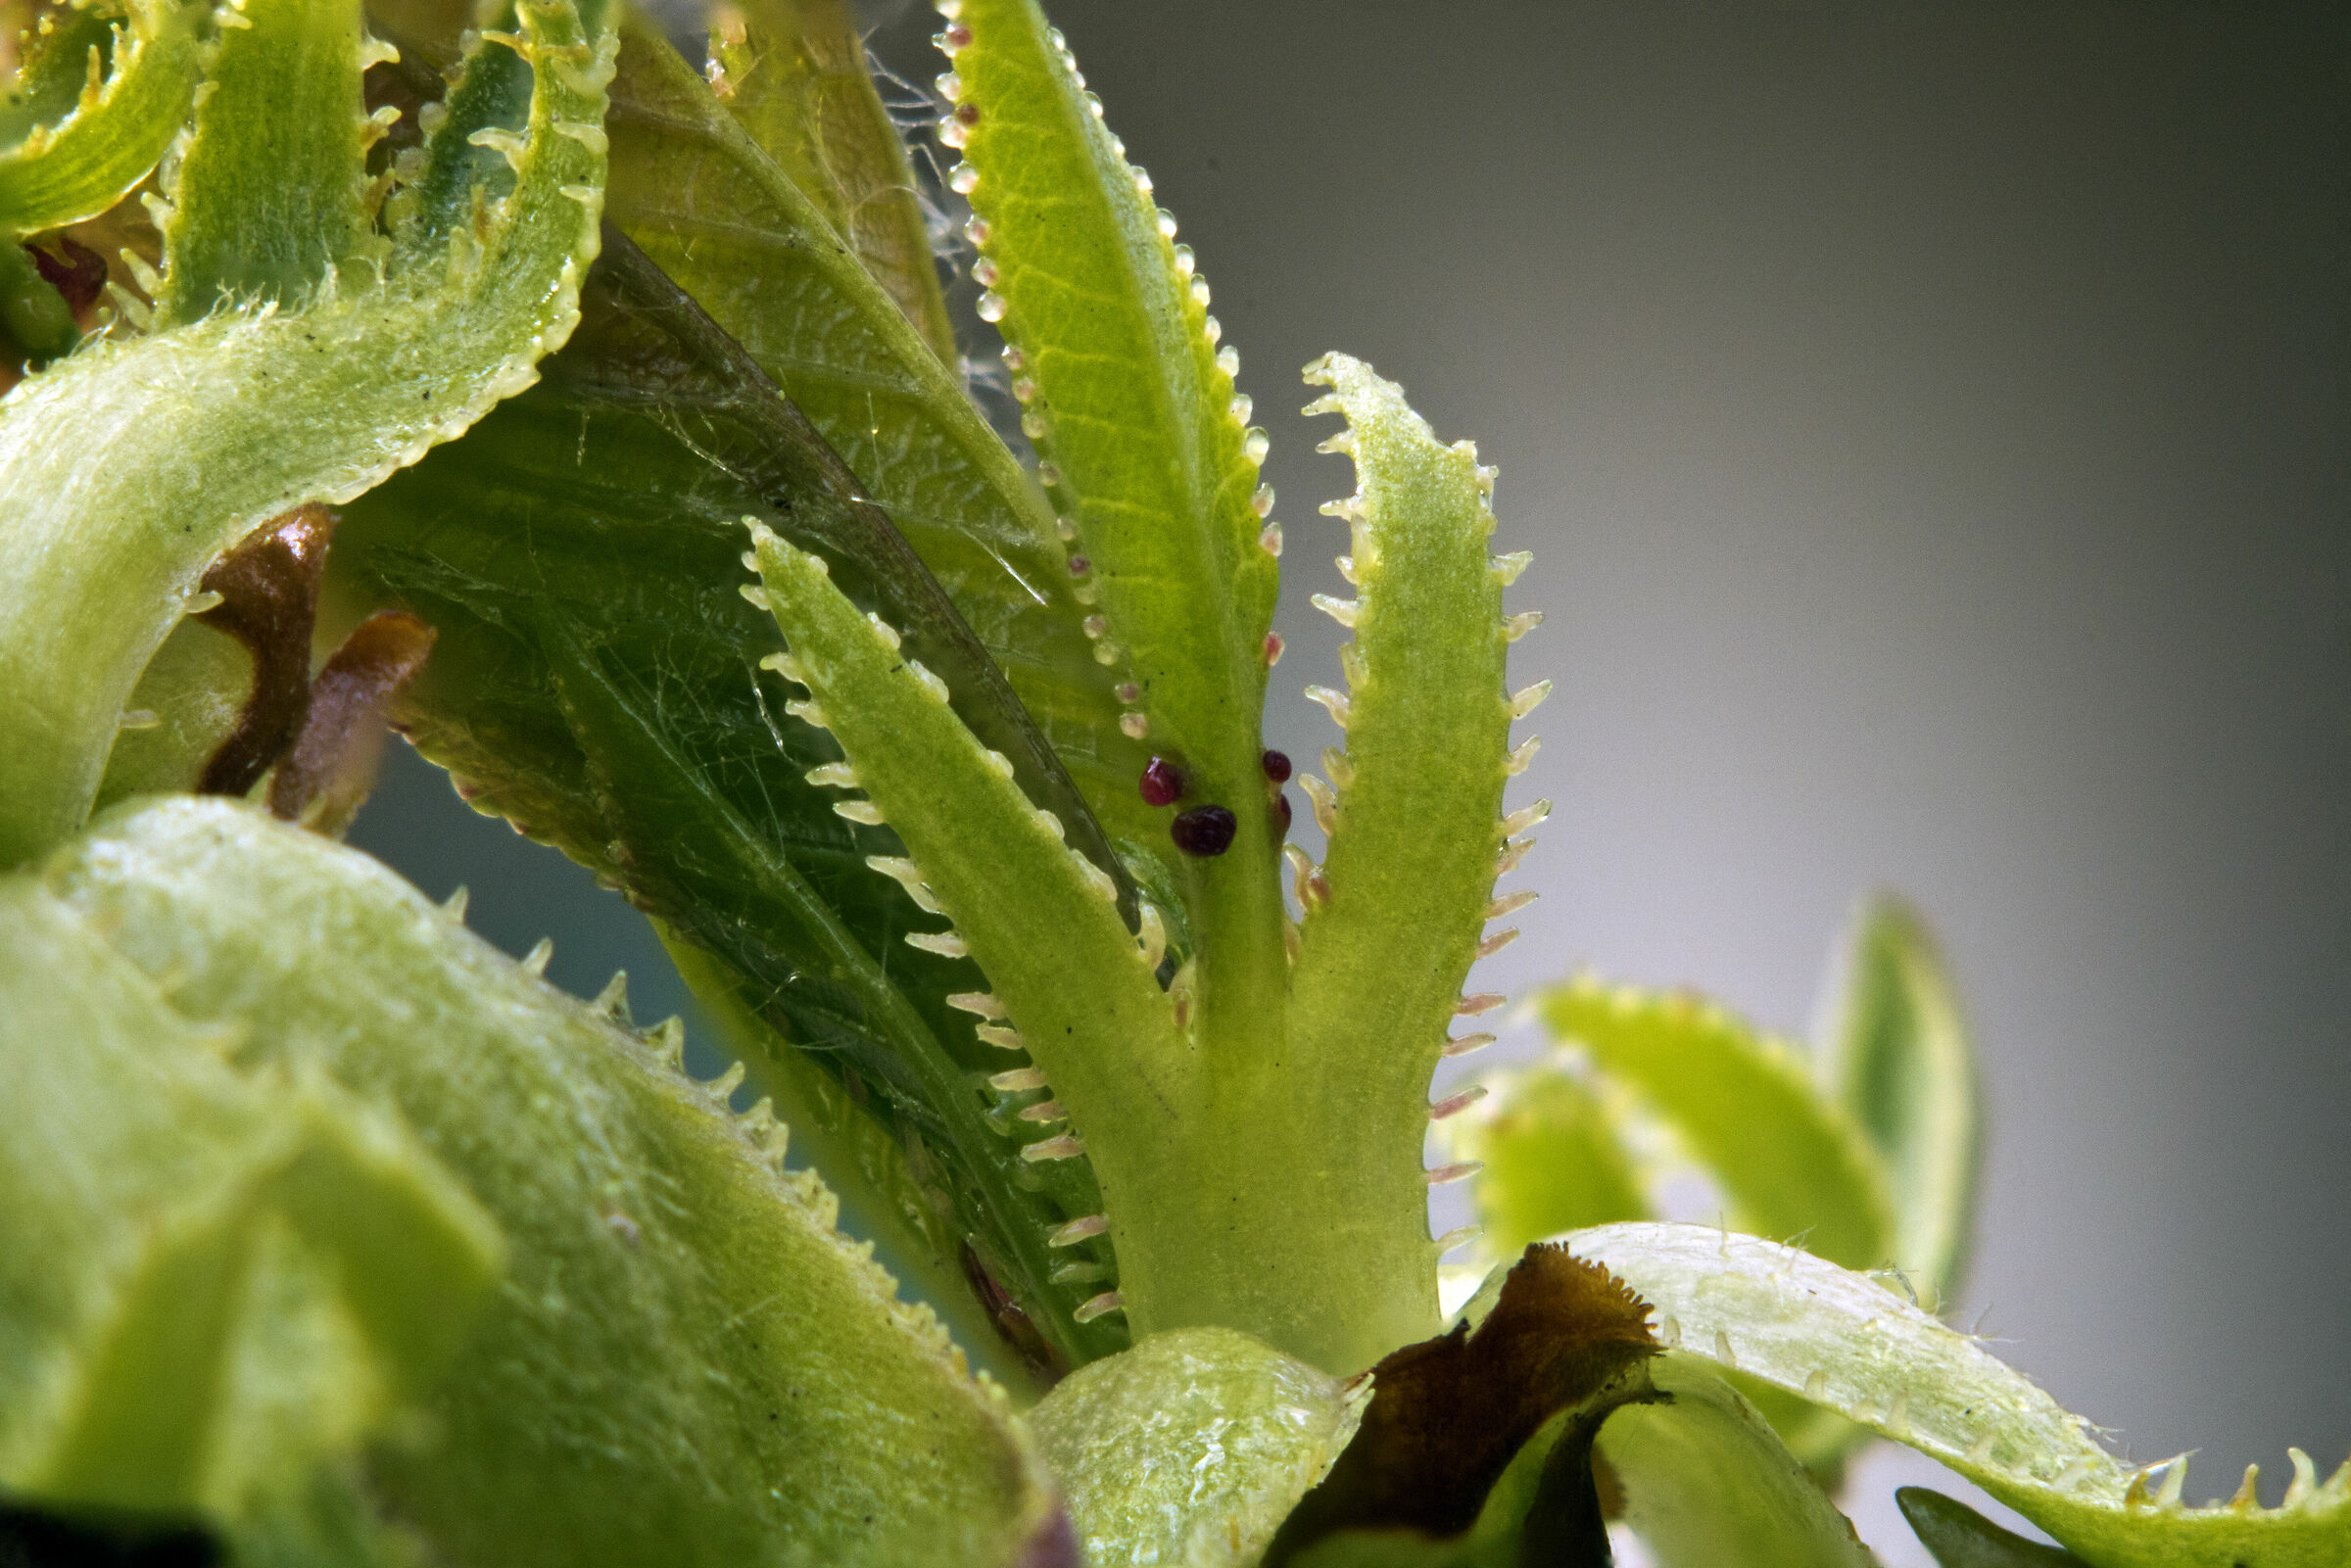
[(126, 467), (1550, 1157), (1191, 1448), (689, 1364), (793, 72), (33, 316), (1897, 1056), (1961, 1537), (597, 683), (1707, 1484), (755, 250), (1788, 1162), (211, 1282), (1131, 408), (1034, 914), (1844, 1342), (101, 106), (271, 181), (1395, 915)]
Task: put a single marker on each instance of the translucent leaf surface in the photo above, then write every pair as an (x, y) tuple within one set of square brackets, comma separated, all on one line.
[(1191, 1448), (689, 1364), (1844, 1342), (1895, 1054)]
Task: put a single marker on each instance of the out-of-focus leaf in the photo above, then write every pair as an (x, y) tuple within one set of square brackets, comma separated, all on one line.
[(1705, 1483), (1895, 1054), (1961, 1537), (688, 1365), (1789, 1162), (1191, 1448), (1552, 1157), (1844, 1342), (214, 1284), (793, 75)]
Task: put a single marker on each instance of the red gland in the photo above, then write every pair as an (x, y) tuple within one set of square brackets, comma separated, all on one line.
[(1162, 783), (1278, 766), (1203, 831)]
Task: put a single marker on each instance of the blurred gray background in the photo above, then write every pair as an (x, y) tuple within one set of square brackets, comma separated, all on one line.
[(1930, 424)]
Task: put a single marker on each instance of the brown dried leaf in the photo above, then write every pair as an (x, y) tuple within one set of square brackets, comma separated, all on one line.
[(332, 766), (269, 588), (1448, 1414)]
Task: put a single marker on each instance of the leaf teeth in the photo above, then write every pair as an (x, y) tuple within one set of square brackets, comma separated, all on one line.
[(908, 876), (534, 962), (1511, 903), (1478, 1003), (885, 633), (1463, 1045), (1339, 766), (2248, 1494), (785, 665), (454, 906), (832, 776), (979, 1001), (1507, 568), (1343, 443), (947, 944), (1497, 942), (1325, 804), (1110, 1301), (1525, 816), (726, 1084), (1526, 702), (1461, 1236), (1341, 610), (938, 688), (1345, 566), (999, 1036), (1336, 702), (1455, 1104), (1513, 852), (753, 594), (809, 712), (1076, 1230), (1457, 1170), (1520, 755), (1514, 627), (1044, 1111), (1068, 1146), (2305, 1482), (2167, 1495), (860, 811), (613, 1000), (667, 1041), (1307, 882)]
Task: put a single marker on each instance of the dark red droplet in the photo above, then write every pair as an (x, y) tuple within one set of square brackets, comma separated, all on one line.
[(1281, 812), (968, 113), (1162, 783), (1278, 766), (1203, 831)]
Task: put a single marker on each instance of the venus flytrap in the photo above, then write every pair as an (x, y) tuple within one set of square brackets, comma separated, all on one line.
[(333, 1232)]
